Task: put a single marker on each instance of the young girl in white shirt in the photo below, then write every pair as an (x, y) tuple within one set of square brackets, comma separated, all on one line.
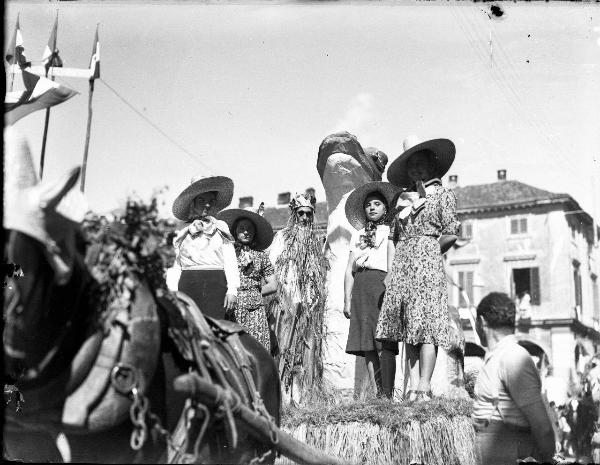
[(204, 248), (367, 210)]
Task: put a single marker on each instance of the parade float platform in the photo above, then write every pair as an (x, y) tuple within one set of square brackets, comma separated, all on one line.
[(385, 432)]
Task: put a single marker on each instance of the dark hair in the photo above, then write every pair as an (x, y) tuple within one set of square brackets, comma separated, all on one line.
[(498, 309), (234, 228), (431, 161), (378, 195)]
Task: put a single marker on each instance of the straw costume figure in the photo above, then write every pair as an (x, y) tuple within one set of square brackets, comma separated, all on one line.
[(299, 304)]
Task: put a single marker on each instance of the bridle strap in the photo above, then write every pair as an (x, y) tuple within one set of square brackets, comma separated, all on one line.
[(34, 372)]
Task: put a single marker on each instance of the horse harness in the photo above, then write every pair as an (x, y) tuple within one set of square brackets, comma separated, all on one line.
[(114, 367), (214, 348)]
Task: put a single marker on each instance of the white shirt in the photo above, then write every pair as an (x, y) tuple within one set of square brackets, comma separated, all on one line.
[(509, 378), (209, 252), (374, 258)]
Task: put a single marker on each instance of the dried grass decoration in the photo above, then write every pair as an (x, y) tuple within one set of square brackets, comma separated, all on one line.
[(383, 432), (123, 250), (302, 330)]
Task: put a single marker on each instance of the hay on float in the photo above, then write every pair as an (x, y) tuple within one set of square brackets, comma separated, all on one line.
[(380, 431)]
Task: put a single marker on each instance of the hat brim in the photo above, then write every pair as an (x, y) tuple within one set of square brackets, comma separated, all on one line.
[(222, 185), (355, 212), (264, 231), (444, 151)]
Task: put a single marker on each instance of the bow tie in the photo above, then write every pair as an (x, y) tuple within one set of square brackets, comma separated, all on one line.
[(244, 255), (203, 226), (413, 202)]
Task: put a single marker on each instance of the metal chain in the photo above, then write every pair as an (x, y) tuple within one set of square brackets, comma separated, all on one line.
[(162, 432), (180, 450), (262, 458), (137, 413)]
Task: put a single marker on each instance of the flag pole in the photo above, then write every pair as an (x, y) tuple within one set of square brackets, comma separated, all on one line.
[(12, 67), (43, 154), (53, 39), (94, 73), (87, 135)]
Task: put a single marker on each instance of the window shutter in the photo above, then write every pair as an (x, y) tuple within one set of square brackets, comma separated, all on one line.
[(534, 275), (469, 286), (514, 226), (523, 226), (461, 283)]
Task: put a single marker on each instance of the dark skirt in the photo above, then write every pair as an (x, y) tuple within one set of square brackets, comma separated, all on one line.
[(367, 297), (207, 288)]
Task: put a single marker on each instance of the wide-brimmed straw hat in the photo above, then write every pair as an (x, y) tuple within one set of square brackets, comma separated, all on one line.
[(355, 210), (222, 185), (443, 156), (264, 231)]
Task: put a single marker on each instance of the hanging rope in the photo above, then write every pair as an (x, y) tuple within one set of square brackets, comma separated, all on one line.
[(156, 127)]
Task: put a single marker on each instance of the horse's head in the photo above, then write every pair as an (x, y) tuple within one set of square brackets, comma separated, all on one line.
[(42, 222)]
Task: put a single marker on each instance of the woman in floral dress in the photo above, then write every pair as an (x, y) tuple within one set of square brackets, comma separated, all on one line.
[(252, 234), (415, 306)]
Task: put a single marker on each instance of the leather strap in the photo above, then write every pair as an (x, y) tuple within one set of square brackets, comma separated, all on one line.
[(78, 404)]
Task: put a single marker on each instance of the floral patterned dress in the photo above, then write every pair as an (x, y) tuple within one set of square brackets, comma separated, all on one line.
[(415, 306), (254, 266)]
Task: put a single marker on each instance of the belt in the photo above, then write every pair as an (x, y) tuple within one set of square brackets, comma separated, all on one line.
[(493, 426), (405, 238), (367, 268)]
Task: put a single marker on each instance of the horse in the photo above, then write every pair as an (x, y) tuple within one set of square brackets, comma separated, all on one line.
[(125, 377)]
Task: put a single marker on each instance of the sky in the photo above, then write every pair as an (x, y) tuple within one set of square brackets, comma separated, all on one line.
[(249, 90)]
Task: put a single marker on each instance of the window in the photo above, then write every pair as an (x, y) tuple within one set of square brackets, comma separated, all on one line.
[(527, 280), (577, 284), (466, 229), (465, 281), (518, 226)]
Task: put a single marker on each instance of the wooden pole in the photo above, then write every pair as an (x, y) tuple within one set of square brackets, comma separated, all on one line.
[(43, 154), (12, 75), (50, 64), (258, 426), (87, 135)]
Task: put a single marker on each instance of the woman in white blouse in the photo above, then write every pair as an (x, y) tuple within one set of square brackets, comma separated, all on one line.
[(204, 247), (367, 210)]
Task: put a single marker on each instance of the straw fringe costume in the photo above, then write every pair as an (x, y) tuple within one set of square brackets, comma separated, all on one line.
[(415, 306), (299, 304)]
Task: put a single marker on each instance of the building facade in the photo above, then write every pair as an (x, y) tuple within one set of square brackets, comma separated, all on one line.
[(518, 239)]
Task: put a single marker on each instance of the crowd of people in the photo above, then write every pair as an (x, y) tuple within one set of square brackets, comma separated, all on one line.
[(576, 421), (394, 291)]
